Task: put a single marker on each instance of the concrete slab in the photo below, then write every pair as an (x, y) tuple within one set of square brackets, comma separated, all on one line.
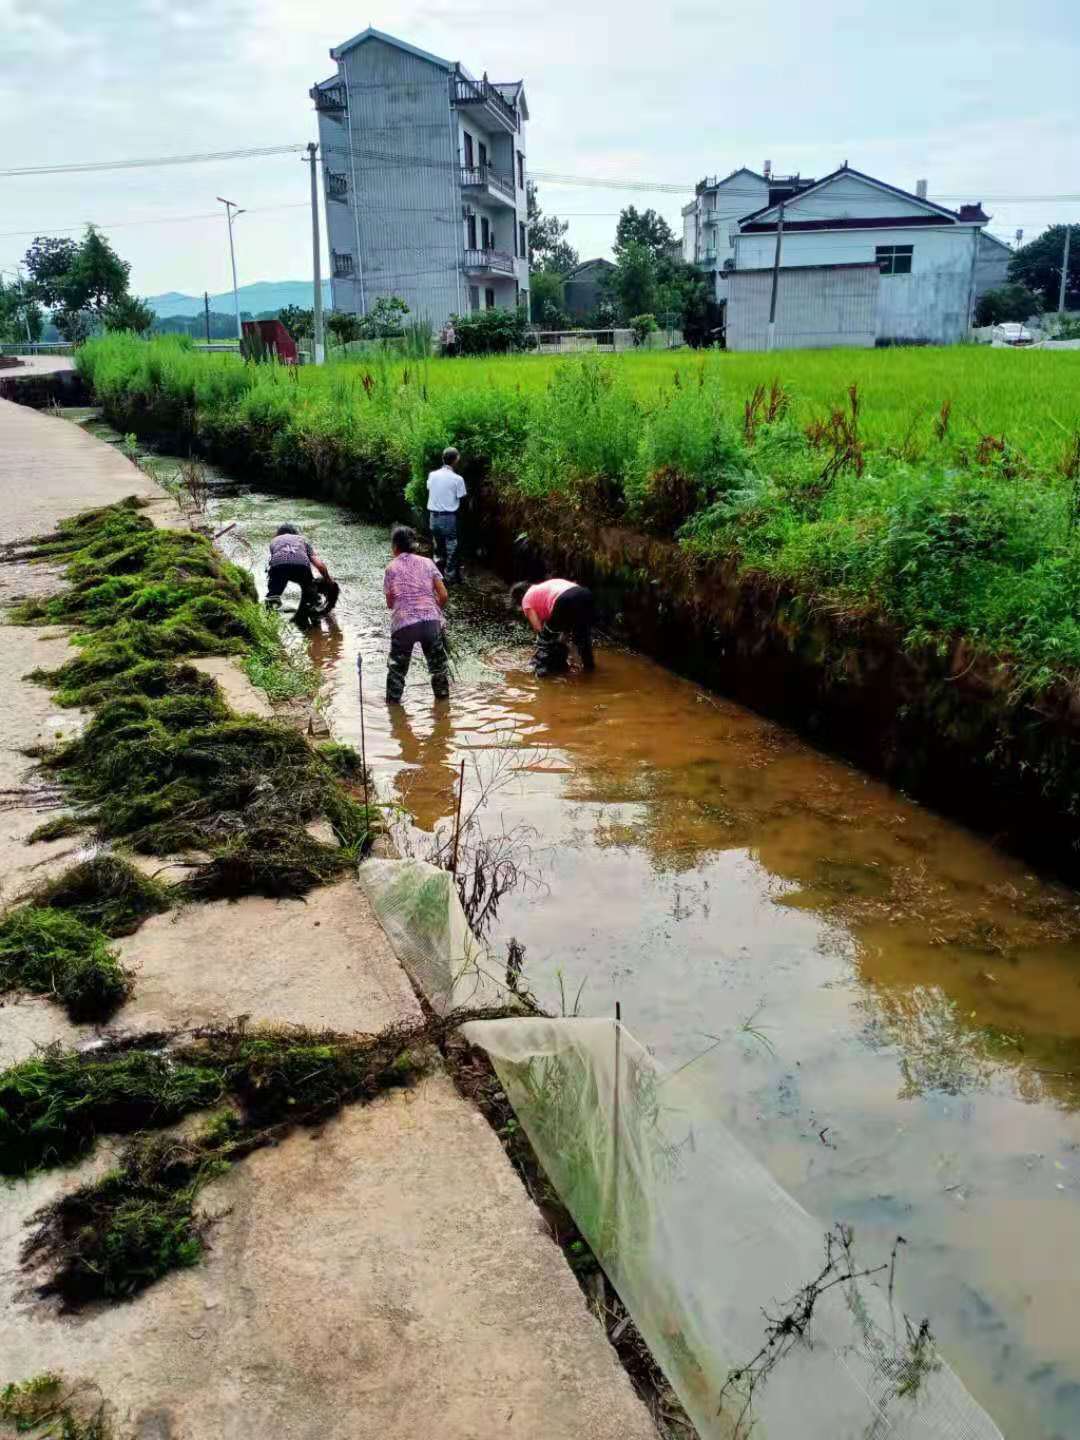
[(323, 962), (54, 469), (384, 1279), (238, 690), (28, 717)]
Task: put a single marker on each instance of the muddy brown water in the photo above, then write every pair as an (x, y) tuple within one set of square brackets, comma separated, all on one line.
[(880, 1005)]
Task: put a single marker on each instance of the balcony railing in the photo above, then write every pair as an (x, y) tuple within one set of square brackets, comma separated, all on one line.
[(342, 265), (337, 185), (482, 92), (477, 261), (331, 99), (481, 176)]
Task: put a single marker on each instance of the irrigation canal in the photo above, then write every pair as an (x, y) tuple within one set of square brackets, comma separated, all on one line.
[(882, 1006)]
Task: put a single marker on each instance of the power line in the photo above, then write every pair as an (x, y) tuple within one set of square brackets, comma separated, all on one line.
[(147, 162), (550, 177)]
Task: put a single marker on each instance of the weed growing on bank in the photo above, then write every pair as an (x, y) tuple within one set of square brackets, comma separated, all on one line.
[(933, 488)]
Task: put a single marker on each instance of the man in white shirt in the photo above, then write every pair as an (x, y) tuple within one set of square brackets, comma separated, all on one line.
[(445, 490)]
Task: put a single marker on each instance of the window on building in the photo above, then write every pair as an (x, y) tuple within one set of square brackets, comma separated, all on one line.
[(342, 265), (482, 150), (521, 170), (489, 298), (468, 151), (895, 259), (470, 227), (486, 237), (522, 247), (474, 297)]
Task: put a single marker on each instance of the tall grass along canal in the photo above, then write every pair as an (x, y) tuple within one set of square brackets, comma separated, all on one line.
[(882, 1006)]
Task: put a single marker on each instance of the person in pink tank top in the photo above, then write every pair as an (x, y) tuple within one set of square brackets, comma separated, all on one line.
[(556, 609)]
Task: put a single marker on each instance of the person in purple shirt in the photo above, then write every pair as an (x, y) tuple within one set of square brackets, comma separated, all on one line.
[(415, 596)]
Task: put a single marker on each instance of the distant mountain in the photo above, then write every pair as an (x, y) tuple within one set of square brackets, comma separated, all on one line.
[(264, 295)]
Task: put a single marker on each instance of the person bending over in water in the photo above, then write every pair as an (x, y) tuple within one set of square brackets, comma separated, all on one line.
[(291, 559), (555, 609), (415, 596)]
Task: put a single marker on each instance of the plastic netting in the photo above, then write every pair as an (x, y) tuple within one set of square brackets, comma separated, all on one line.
[(710, 1256), (418, 907)]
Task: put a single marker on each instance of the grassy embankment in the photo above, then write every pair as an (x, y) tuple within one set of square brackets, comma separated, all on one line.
[(941, 493), (163, 767)]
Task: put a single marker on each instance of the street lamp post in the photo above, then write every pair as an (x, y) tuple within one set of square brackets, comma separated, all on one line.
[(231, 207)]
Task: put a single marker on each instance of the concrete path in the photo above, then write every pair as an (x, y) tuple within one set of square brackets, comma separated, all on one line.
[(385, 1276), (38, 365)]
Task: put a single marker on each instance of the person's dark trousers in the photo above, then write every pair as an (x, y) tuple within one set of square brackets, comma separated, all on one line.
[(444, 539), (572, 614), (278, 576), (428, 634)]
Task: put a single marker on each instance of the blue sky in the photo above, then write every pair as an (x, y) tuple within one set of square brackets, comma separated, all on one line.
[(978, 96)]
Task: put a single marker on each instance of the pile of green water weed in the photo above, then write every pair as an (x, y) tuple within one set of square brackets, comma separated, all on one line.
[(54, 1105), (48, 1409), (164, 764), (60, 827), (114, 1236), (178, 773), (105, 891), (55, 942), (52, 952)]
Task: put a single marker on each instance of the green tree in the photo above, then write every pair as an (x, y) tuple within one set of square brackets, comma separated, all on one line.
[(633, 281), (49, 261), (642, 326), (644, 228), (549, 250), (79, 281), (385, 318), (1038, 266), (1008, 302), (298, 321), (128, 313), (21, 317), (547, 299), (98, 278), (343, 326)]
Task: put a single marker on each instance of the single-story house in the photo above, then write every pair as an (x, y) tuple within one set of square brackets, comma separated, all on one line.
[(583, 290)]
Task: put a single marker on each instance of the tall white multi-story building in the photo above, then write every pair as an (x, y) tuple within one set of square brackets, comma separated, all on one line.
[(424, 172)]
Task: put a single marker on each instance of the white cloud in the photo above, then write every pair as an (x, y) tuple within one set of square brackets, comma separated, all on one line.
[(975, 96)]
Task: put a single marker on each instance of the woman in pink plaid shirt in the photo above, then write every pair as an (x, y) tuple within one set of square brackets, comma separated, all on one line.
[(415, 596)]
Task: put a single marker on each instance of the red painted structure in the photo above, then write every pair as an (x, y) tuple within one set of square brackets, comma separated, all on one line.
[(275, 337)]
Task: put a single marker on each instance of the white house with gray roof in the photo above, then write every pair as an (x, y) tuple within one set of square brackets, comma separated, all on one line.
[(424, 172), (862, 262)]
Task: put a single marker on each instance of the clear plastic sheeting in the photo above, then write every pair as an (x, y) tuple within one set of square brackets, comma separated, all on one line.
[(711, 1257), (417, 905)]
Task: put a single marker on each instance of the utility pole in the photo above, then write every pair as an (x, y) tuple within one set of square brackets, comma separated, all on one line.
[(775, 278), (230, 206), (1064, 271), (316, 257), (206, 308)]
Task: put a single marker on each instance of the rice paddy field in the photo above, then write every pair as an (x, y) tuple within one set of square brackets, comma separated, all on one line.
[(938, 488), (1031, 396)]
